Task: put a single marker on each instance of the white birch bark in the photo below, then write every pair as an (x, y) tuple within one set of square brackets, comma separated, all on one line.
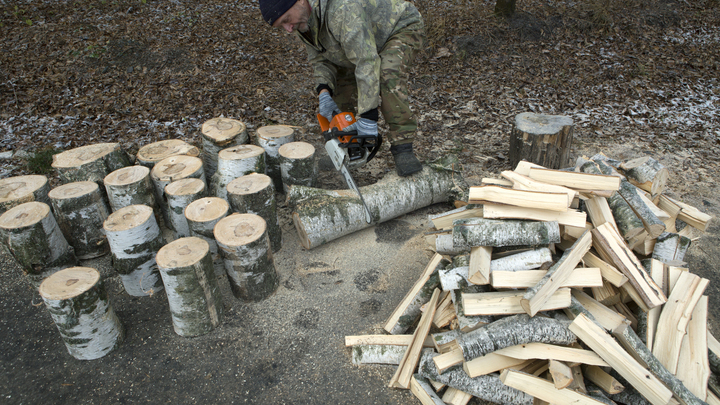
[(377, 354), (235, 162), (202, 216), (218, 134), (80, 212), (271, 138), (130, 185), (496, 233), (179, 195), (670, 247), (298, 165)]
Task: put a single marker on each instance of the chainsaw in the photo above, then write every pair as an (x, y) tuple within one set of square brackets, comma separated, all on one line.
[(347, 149)]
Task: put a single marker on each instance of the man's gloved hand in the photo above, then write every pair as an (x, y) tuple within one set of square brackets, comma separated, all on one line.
[(364, 126), (328, 108)]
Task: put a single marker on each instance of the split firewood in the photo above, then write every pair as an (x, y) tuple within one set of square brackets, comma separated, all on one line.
[(602, 379), (218, 134), (490, 232), (489, 363), (78, 303), (179, 194), (670, 247), (445, 341), (604, 316), (129, 186), (381, 340), (567, 218), (606, 294), (453, 278), (510, 302), (466, 322), (445, 312), (561, 373), (519, 198), (235, 162), (646, 173), (445, 220), (579, 278), (298, 165), (255, 194), (609, 272), (545, 351), (541, 138), (90, 163), (479, 266), (684, 212), (152, 153), (642, 208), (421, 388), (194, 297), (543, 389), (599, 212), (21, 189), (271, 138), (521, 182), (576, 180), (448, 360), (454, 396), (693, 365), (487, 181), (202, 216)]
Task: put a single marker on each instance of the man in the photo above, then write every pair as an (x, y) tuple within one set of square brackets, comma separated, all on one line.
[(362, 48)]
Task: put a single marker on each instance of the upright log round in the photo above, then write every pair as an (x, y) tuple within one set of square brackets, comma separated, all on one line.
[(244, 246), (194, 297), (130, 186), (135, 238), (235, 162), (179, 195), (202, 216), (90, 163), (255, 194), (172, 169), (218, 134), (32, 236), (297, 164), (79, 305), (271, 138), (541, 139), (21, 189), (152, 153), (80, 211)]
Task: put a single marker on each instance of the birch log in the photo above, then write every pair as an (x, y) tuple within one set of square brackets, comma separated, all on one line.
[(79, 305), (32, 236), (653, 225), (245, 248), (194, 297), (152, 153), (21, 189), (90, 163), (321, 216), (542, 139), (235, 162), (670, 247), (495, 233), (172, 169), (255, 194), (298, 165), (271, 138), (646, 173), (80, 212), (218, 134), (135, 238), (179, 194), (202, 216), (130, 185)]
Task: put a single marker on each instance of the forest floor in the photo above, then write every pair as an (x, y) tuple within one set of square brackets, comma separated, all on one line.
[(637, 78)]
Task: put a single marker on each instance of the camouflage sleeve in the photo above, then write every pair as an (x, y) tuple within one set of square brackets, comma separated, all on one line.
[(324, 72)]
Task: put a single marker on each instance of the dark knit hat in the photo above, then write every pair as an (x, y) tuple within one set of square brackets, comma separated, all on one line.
[(273, 9)]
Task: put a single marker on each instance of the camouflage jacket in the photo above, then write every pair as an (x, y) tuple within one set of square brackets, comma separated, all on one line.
[(351, 33)]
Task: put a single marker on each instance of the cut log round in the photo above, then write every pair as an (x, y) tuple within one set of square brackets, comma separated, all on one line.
[(196, 304), (542, 139), (21, 189), (271, 138), (172, 169), (218, 134), (150, 154), (80, 211), (244, 246), (647, 174), (79, 305), (90, 163), (32, 236), (130, 185), (235, 162), (202, 216), (135, 238), (297, 164), (179, 194), (255, 194)]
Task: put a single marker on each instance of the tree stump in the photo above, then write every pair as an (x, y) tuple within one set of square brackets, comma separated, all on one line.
[(172, 169), (179, 195), (541, 139), (194, 297), (297, 164), (219, 134), (79, 305), (235, 162), (244, 246), (255, 194), (150, 154), (271, 138), (90, 163), (203, 214), (21, 189), (32, 236), (80, 211), (130, 186), (135, 238)]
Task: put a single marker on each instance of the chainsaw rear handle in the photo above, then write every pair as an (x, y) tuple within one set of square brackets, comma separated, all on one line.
[(351, 140)]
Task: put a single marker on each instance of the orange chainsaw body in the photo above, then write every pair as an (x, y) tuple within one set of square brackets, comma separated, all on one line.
[(339, 121)]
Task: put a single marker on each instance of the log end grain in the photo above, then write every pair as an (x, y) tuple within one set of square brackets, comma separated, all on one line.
[(249, 184), (127, 218), (189, 186), (240, 152), (239, 229), (274, 131), (79, 156), (126, 176), (24, 215), (69, 283), (297, 150), (206, 209), (176, 167), (222, 129), (73, 190), (157, 151), (182, 252), (14, 188), (541, 123)]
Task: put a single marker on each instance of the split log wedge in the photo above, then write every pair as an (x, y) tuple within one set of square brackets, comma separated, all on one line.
[(90, 163), (297, 164), (510, 302), (80, 212), (130, 185), (202, 216), (171, 169), (21, 189), (271, 138), (255, 194), (693, 365), (646, 173), (642, 208), (245, 248), (544, 389), (496, 233), (179, 194), (542, 139), (550, 201), (235, 162), (32, 236), (195, 301), (152, 153), (79, 306), (421, 388), (218, 134)]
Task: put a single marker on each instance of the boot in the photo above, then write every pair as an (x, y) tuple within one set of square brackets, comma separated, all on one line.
[(405, 161)]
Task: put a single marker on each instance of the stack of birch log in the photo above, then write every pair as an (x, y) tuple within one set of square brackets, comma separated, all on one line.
[(560, 287)]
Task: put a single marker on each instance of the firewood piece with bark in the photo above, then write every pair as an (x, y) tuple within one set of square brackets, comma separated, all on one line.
[(545, 390), (713, 353), (521, 182), (670, 247), (154, 152), (235, 162), (444, 221), (567, 218), (609, 272), (179, 194), (78, 303), (693, 365), (172, 169), (599, 212), (454, 396), (298, 165), (496, 233), (489, 363), (421, 388), (80, 212), (32, 236), (271, 138), (249, 263), (202, 216), (646, 173), (130, 185), (384, 340), (575, 180), (194, 297), (542, 139), (135, 238), (21, 189), (686, 213), (217, 134), (599, 377), (467, 323), (642, 208), (255, 194)]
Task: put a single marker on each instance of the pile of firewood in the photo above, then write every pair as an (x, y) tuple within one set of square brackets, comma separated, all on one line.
[(557, 286)]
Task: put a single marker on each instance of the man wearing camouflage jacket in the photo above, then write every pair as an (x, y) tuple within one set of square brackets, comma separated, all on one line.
[(362, 48)]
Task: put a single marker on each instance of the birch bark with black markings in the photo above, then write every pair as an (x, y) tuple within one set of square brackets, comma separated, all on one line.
[(218, 134), (255, 194), (129, 186), (80, 212), (235, 162), (271, 138), (496, 233), (21, 189), (298, 165), (179, 195)]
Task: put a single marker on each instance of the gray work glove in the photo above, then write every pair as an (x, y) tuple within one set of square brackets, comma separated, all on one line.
[(328, 108), (364, 126)]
